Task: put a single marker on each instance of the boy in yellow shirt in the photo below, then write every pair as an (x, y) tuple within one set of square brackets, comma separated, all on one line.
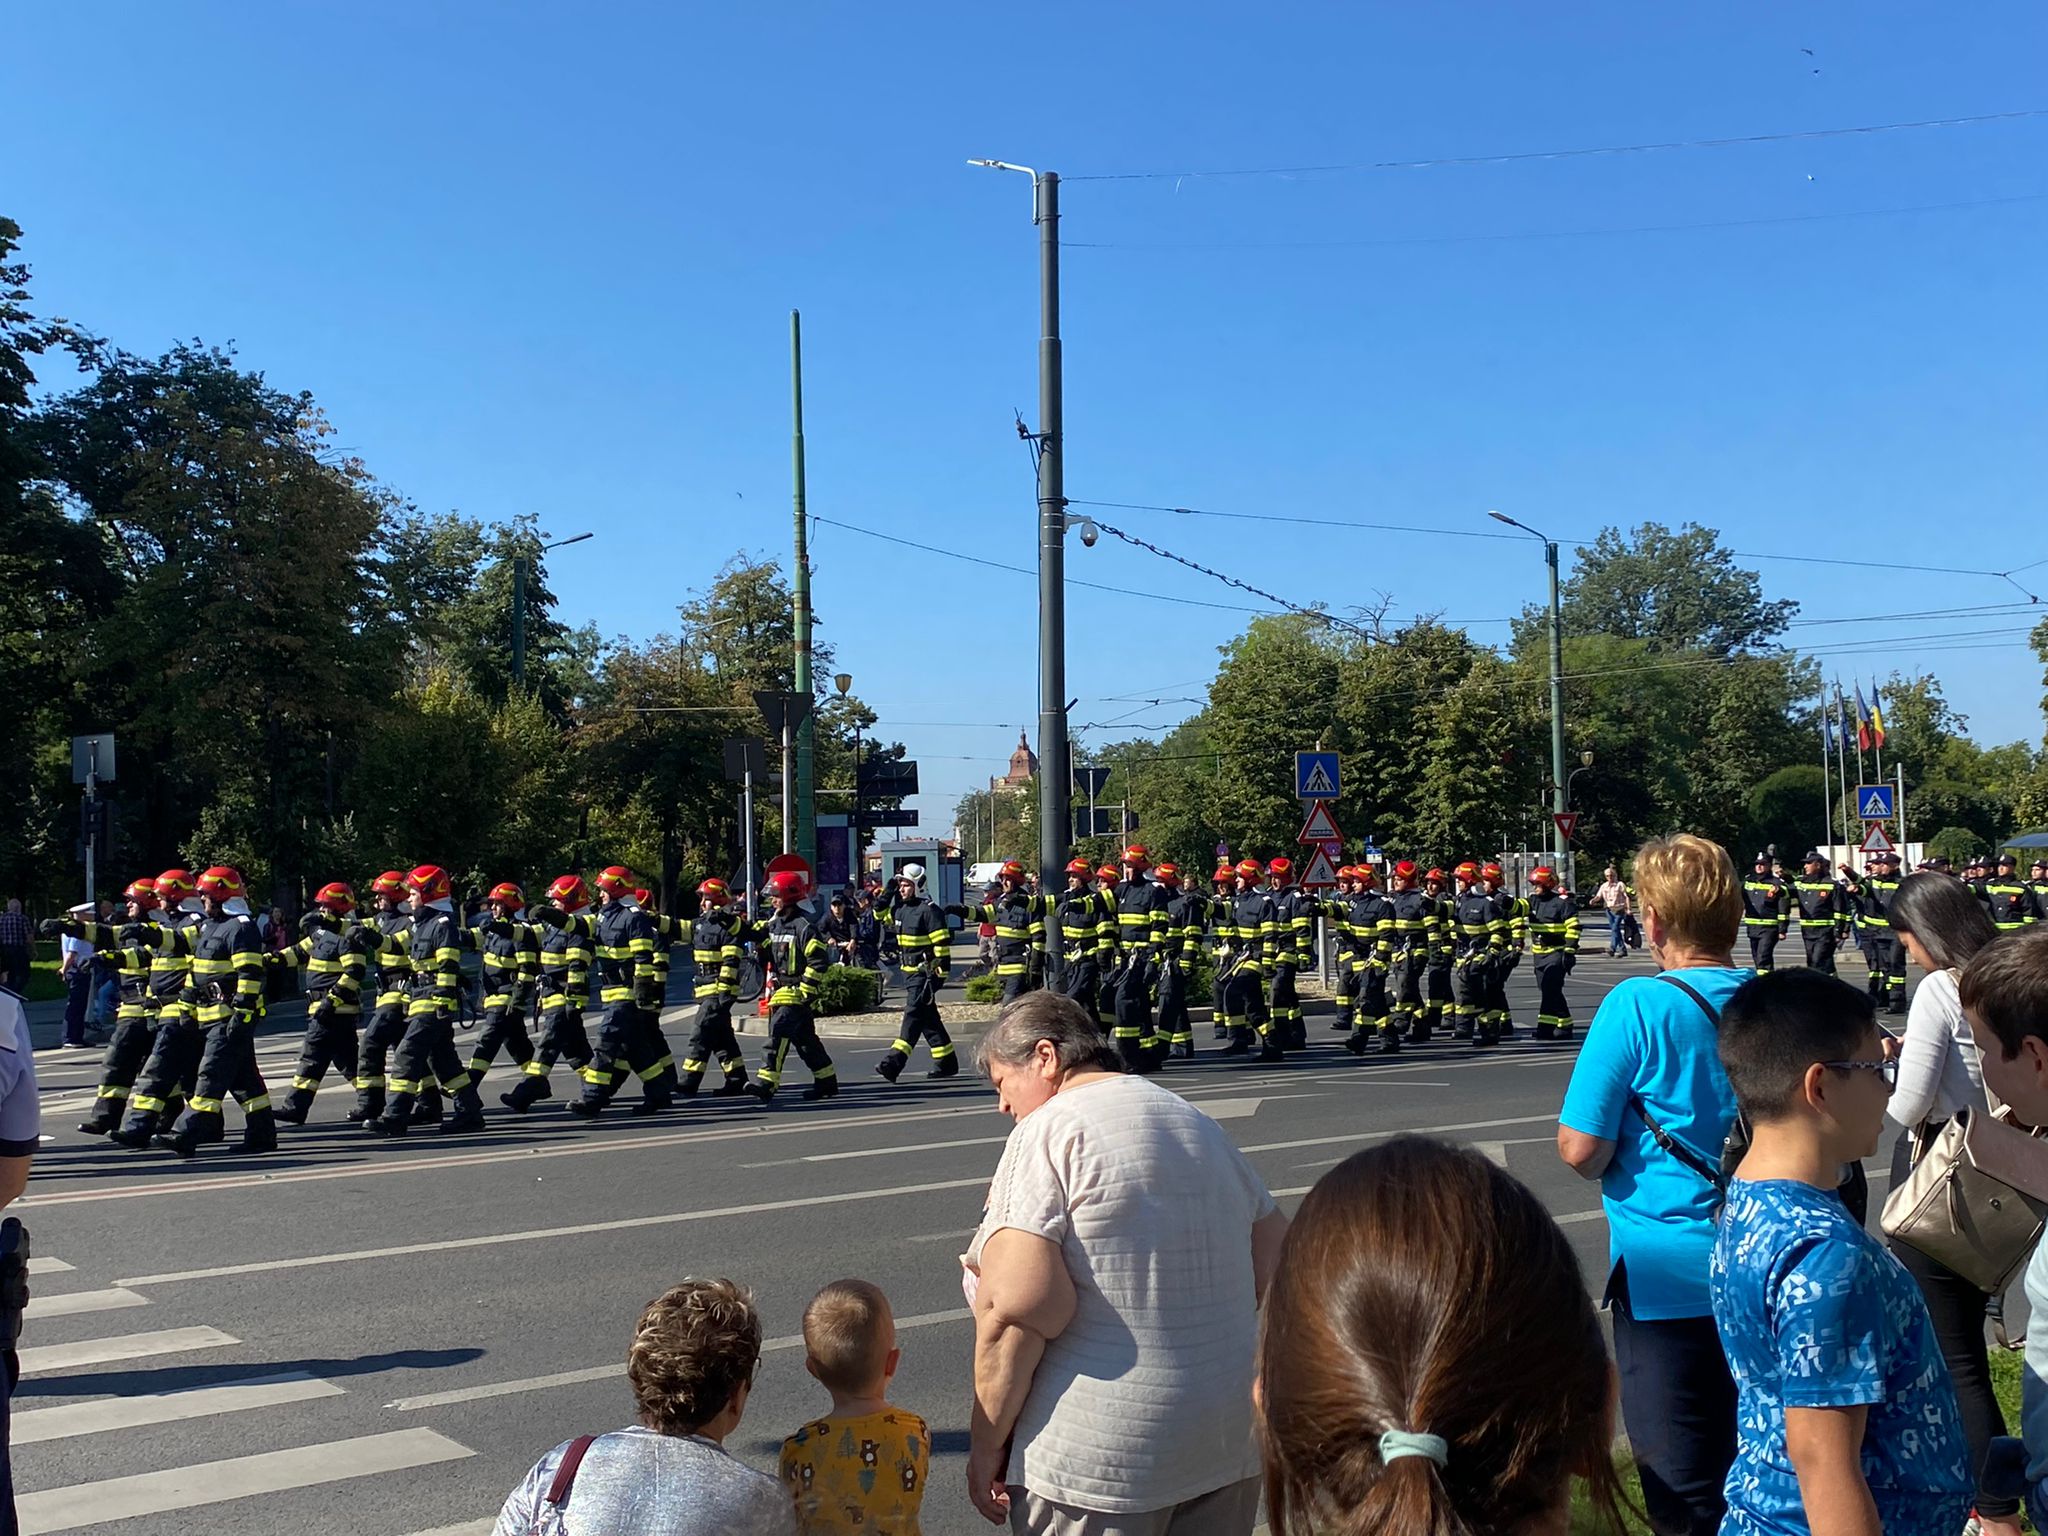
[(861, 1470)]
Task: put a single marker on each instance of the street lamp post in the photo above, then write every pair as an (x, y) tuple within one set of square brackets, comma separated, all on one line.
[(1557, 774), (1054, 788), (843, 682), (519, 606), (1571, 854)]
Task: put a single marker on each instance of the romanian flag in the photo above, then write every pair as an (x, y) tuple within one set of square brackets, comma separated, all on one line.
[(1876, 717), (1862, 722)]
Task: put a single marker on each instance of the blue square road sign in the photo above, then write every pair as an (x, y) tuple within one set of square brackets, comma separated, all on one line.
[(1874, 802), (1316, 776)]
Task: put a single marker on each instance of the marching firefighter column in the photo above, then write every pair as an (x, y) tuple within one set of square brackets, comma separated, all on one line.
[(1294, 912), (627, 986), (924, 946), (1247, 933), (333, 948), (796, 954), (386, 1028), (1766, 914), (1369, 931), (1440, 1012), (1412, 943), (167, 1077), (426, 1055), (1215, 917), (715, 943), (1480, 936), (567, 939), (1882, 949), (509, 950), (1185, 912), (1018, 918), (1077, 938), (135, 1020), (1140, 931), (1553, 919), (1514, 915), (226, 995), (1823, 912)]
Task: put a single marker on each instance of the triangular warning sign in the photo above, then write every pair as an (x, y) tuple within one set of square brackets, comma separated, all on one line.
[(1321, 874), (1567, 823), (1874, 841), (1321, 826), (1876, 806), (1318, 784)]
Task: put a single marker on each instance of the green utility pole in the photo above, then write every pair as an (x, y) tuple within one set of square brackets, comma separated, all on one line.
[(805, 839)]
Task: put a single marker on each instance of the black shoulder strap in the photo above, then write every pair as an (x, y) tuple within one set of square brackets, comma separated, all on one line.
[(1713, 1015), (1669, 1143)]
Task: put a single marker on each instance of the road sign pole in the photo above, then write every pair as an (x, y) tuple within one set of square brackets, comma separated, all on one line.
[(804, 755), (747, 836), (1055, 801), (1557, 785)]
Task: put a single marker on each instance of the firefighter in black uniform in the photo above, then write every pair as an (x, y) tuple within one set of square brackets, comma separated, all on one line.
[(1479, 934), (1215, 910), (1140, 934), (1179, 945), (567, 937), (426, 1055), (627, 984), (795, 956), (716, 941), (1440, 1011), (1823, 911), (1514, 916), (1882, 949), (1018, 918), (394, 976), (1294, 910), (1246, 935), (2011, 901), (924, 948), (1766, 913), (1369, 925), (226, 998), (1106, 878), (668, 933), (1413, 939), (135, 1019), (1336, 911), (2037, 882), (334, 950), (509, 948), (159, 1094), (1554, 946), (1077, 937)]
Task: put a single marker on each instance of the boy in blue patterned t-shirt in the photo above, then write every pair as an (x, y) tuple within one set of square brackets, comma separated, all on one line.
[(1847, 1421)]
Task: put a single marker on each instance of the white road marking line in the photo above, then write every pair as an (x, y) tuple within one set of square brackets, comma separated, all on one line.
[(537, 1234), (916, 1146), (126, 1346), (216, 1482), (616, 1369), (49, 1267), (1573, 1218), (1411, 1130), (94, 1418), (467, 1528), (1498, 1150), (961, 1236), (76, 1302)]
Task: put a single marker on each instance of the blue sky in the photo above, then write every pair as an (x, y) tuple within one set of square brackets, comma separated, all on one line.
[(541, 258)]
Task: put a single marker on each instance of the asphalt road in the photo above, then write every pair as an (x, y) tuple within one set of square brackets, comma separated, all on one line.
[(381, 1338)]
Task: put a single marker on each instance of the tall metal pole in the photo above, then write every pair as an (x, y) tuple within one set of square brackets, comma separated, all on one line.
[(1055, 820), (747, 835), (1827, 798), (1557, 783), (788, 784), (1841, 766), (519, 620), (1899, 770), (806, 830)]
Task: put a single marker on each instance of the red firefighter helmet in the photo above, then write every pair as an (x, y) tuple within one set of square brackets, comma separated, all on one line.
[(142, 893), (1011, 870), (1223, 876), (429, 882), (1107, 872), (715, 888), (1249, 869), (1365, 874), (1467, 872), (1436, 874), (1347, 872), (391, 883), (1405, 870), (644, 894), (1168, 873), (335, 896), (507, 893), (787, 885), (615, 880), (1137, 856), (1542, 876), (1281, 869), (569, 892), (174, 886), (220, 883), (1493, 872), (1080, 867)]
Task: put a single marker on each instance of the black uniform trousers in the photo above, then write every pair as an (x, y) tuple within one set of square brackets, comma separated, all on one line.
[(1015, 983), (1350, 981), (790, 1025), (1175, 1028), (1553, 1012), (624, 1045), (1820, 948), (167, 1077), (128, 1052), (330, 1042), (1286, 1005), (713, 1036), (227, 1068), (1410, 968), (561, 1035), (426, 1056), (1134, 1034), (1763, 947), (373, 1050), (1077, 979), (1443, 996), (1474, 998), (920, 1021), (1243, 989), (504, 1029)]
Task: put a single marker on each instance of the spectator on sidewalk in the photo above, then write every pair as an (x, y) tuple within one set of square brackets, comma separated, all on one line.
[(17, 947), (860, 1470), (1847, 1419), (1614, 901), (1387, 1403), (2004, 995), (20, 1128), (691, 1366), (1115, 1318), (75, 968), (1649, 1058), (1943, 925)]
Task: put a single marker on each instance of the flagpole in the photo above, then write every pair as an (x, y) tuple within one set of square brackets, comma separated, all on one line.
[(1841, 748), (1876, 735), (1827, 799)]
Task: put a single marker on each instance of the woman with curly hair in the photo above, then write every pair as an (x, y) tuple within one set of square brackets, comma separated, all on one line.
[(691, 1366)]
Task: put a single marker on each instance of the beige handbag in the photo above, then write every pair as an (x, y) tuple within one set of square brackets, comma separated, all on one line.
[(1975, 1199)]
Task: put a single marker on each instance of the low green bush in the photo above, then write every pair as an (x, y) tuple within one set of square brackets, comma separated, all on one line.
[(985, 989), (847, 989)]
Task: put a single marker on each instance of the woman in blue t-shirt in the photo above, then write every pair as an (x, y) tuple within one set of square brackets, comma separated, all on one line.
[(1649, 1065)]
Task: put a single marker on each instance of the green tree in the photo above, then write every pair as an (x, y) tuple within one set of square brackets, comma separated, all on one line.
[(1674, 589), (1273, 696)]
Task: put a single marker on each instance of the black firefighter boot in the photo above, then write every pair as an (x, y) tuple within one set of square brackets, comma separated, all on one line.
[(296, 1106), (469, 1111), (369, 1104), (735, 1070), (396, 1119), (531, 1088), (1240, 1042), (428, 1111), (259, 1133), (139, 1132), (199, 1127), (106, 1114)]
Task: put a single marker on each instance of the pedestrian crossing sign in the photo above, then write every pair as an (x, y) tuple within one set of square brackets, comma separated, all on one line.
[(1874, 802), (1874, 841), (1316, 776)]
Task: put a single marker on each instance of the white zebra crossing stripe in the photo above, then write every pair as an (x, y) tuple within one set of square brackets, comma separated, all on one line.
[(48, 1267), (73, 1303), (128, 1346), (111, 1413), (240, 1477)]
